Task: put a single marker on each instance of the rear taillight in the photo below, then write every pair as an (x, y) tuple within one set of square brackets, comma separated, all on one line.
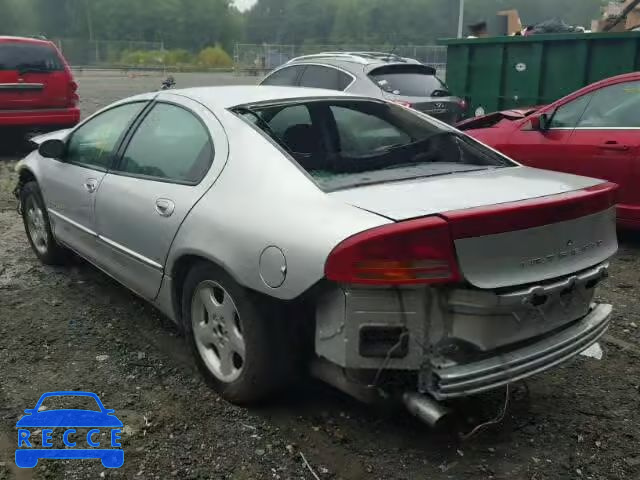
[(72, 96), (403, 103), (411, 252)]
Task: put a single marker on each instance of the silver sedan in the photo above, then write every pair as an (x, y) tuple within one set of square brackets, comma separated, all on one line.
[(290, 230)]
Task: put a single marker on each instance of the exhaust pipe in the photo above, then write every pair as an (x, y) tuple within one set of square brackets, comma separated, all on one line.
[(426, 409), (423, 407)]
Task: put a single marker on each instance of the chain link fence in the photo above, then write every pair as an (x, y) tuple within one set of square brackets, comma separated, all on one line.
[(259, 59), (101, 53), (252, 59)]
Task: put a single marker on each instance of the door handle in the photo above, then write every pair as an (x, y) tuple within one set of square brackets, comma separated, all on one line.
[(165, 207), (611, 145), (90, 185)]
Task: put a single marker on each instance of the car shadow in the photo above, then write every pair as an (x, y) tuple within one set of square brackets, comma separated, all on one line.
[(12, 148)]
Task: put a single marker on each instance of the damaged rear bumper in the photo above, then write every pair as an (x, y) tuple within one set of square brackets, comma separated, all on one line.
[(468, 379)]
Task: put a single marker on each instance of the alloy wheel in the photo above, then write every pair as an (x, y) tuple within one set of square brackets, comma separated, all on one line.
[(36, 226), (217, 331)]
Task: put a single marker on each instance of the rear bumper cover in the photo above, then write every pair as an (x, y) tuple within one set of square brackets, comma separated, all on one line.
[(59, 117), (472, 378)]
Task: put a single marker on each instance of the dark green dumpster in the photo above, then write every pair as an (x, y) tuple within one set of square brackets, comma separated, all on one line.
[(498, 73)]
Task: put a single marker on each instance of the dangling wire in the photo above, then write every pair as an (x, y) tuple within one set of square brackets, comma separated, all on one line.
[(387, 359), (466, 436)]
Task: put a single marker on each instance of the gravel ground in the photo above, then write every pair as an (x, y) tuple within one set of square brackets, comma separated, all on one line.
[(74, 328)]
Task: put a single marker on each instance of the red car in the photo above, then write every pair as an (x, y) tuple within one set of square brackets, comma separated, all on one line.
[(37, 90), (593, 132)]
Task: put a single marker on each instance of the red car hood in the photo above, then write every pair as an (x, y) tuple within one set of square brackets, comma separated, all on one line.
[(492, 119)]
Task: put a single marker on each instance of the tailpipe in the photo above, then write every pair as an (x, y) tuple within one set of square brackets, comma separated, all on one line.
[(427, 409)]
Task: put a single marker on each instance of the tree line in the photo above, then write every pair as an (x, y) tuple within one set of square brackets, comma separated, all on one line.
[(190, 24), (416, 22), (196, 24)]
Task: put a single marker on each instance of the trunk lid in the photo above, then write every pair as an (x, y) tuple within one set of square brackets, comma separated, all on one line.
[(32, 91), (32, 76), (511, 226), (403, 200), (540, 253), (447, 108)]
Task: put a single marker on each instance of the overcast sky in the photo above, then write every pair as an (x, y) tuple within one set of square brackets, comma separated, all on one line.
[(244, 4)]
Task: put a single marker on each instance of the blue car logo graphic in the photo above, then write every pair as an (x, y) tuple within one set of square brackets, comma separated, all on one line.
[(69, 419)]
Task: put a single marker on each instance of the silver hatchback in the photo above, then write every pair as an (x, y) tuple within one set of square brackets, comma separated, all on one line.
[(374, 74)]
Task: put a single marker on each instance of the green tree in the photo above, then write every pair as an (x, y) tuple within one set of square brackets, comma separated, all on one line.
[(393, 21), (196, 24)]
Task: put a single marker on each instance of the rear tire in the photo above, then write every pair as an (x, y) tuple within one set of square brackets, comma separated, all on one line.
[(37, 226), (239, 343)]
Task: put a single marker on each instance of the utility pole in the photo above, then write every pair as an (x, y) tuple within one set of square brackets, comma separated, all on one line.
[(89, 19), (461, 19)]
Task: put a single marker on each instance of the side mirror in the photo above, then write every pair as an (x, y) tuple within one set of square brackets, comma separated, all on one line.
[(52, 148), (545, 121), (535, 124), (29, 411), (541, 123)]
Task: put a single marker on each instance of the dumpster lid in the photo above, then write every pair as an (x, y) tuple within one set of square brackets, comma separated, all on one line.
[(550, 37)]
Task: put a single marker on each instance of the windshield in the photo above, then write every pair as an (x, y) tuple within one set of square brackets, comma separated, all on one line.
[(29, 57), (345, 143)]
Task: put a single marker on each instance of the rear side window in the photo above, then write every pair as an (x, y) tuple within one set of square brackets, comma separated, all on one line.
[(287, 118), (409, 81), (29, 56), (292, 127), (170, 144), (346, 143), (284, 77), (316, 76)]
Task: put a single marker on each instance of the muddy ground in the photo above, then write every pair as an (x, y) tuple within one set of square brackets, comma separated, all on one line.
[(74, 328)]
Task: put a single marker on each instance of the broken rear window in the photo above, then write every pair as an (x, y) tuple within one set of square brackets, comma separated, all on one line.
[(346, 143), (28, 57)]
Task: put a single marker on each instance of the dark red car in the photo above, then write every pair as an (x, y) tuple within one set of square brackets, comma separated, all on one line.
[(37, 90), (593, 132)]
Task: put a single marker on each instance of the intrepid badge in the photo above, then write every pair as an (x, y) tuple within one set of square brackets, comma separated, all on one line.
[(558, 256)]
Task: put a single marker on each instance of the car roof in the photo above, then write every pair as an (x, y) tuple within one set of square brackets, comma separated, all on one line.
[(625, 77), (355, 65), (344, 62), (361, 58), (233, 96), (592, 87), (37, 41)]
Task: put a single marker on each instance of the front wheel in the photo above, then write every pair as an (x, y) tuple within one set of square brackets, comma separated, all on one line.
[(37, 226), (239, 345)]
